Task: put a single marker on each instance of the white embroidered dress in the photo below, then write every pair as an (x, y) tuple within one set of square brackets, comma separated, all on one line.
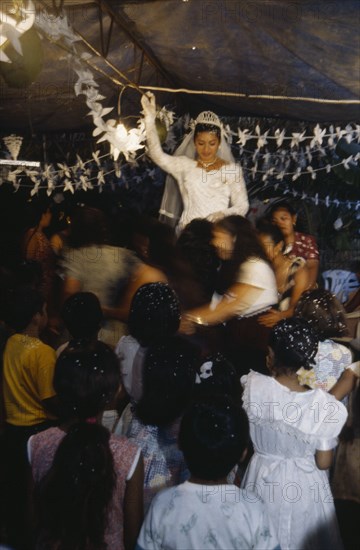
[(286, 429), (203, 192)]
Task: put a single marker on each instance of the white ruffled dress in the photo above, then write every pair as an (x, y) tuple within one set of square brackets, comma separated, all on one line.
[(286, 429)]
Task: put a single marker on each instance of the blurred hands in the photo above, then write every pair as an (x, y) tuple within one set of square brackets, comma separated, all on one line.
[(270, 318), (187, 326)]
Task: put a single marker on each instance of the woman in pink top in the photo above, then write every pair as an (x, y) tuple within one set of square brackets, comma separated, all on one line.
[(89, 484)]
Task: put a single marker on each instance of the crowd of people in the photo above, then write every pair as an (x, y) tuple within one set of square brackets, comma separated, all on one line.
[(175, 388)]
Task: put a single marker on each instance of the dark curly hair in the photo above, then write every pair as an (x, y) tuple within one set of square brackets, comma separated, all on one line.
[(323, 311), (168, 381), (154, 313), (295, 345), (214, 433), (86, 379)]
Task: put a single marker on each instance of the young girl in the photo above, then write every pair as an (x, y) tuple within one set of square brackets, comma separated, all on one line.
[(154, 317), (326, 316), (293, 431), (168, 384), (207, 512), (89, 483)]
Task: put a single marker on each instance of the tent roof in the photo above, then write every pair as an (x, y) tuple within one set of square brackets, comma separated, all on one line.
[(301, 49)]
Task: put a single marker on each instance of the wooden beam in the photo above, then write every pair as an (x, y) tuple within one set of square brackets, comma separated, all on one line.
[(126, 26)]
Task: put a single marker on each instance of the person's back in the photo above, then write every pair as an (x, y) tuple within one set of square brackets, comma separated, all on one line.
[(168, 385), (28, 363), (90, 264), (294, 431), (325, 314), (125, 458), (89, 482), (206, 512), (154, 317), (28, 367)]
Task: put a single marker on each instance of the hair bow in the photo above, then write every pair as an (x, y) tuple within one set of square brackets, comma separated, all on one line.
[(205, 372)]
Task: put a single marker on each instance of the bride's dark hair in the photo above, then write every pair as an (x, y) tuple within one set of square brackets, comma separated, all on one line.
[(207, 128)]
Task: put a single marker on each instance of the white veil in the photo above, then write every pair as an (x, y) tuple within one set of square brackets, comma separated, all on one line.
[(171, 204)]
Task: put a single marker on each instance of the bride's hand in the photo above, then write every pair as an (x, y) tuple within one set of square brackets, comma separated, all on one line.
[(148, 104), (215, 216)]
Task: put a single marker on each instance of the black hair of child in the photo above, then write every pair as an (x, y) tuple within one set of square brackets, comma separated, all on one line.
[(21, 305), (323, 311), (168, 381), (154, 314), (214, 434), (82, 315), (294, 343), (86, 379), (73, 498)]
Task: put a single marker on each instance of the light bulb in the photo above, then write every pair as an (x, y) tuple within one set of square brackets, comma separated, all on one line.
[(121, 131)]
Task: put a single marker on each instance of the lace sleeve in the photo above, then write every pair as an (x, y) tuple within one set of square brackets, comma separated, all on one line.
[(239, 202), (170, 164)]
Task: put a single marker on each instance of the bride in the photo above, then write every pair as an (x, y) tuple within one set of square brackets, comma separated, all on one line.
[(211, 184)]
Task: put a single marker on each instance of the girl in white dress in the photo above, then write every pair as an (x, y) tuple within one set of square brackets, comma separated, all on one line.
[(211, 184), (294, 431)]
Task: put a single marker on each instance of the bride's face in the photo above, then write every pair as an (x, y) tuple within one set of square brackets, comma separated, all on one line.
[(206, 145)]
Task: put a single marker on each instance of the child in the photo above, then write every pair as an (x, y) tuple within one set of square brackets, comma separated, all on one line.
[(154, 317), (206, 512), (326, 316), (28, 397), (83, 317), (293, 431), (28, 363), (217, 376), (168, 385), (89, 483)]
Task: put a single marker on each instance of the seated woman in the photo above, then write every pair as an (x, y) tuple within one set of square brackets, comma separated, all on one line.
[(248, 288), (211, 184), (291, 274), (283, 215)]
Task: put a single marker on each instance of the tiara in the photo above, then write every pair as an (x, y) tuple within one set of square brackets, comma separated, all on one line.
[(208, 117)]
